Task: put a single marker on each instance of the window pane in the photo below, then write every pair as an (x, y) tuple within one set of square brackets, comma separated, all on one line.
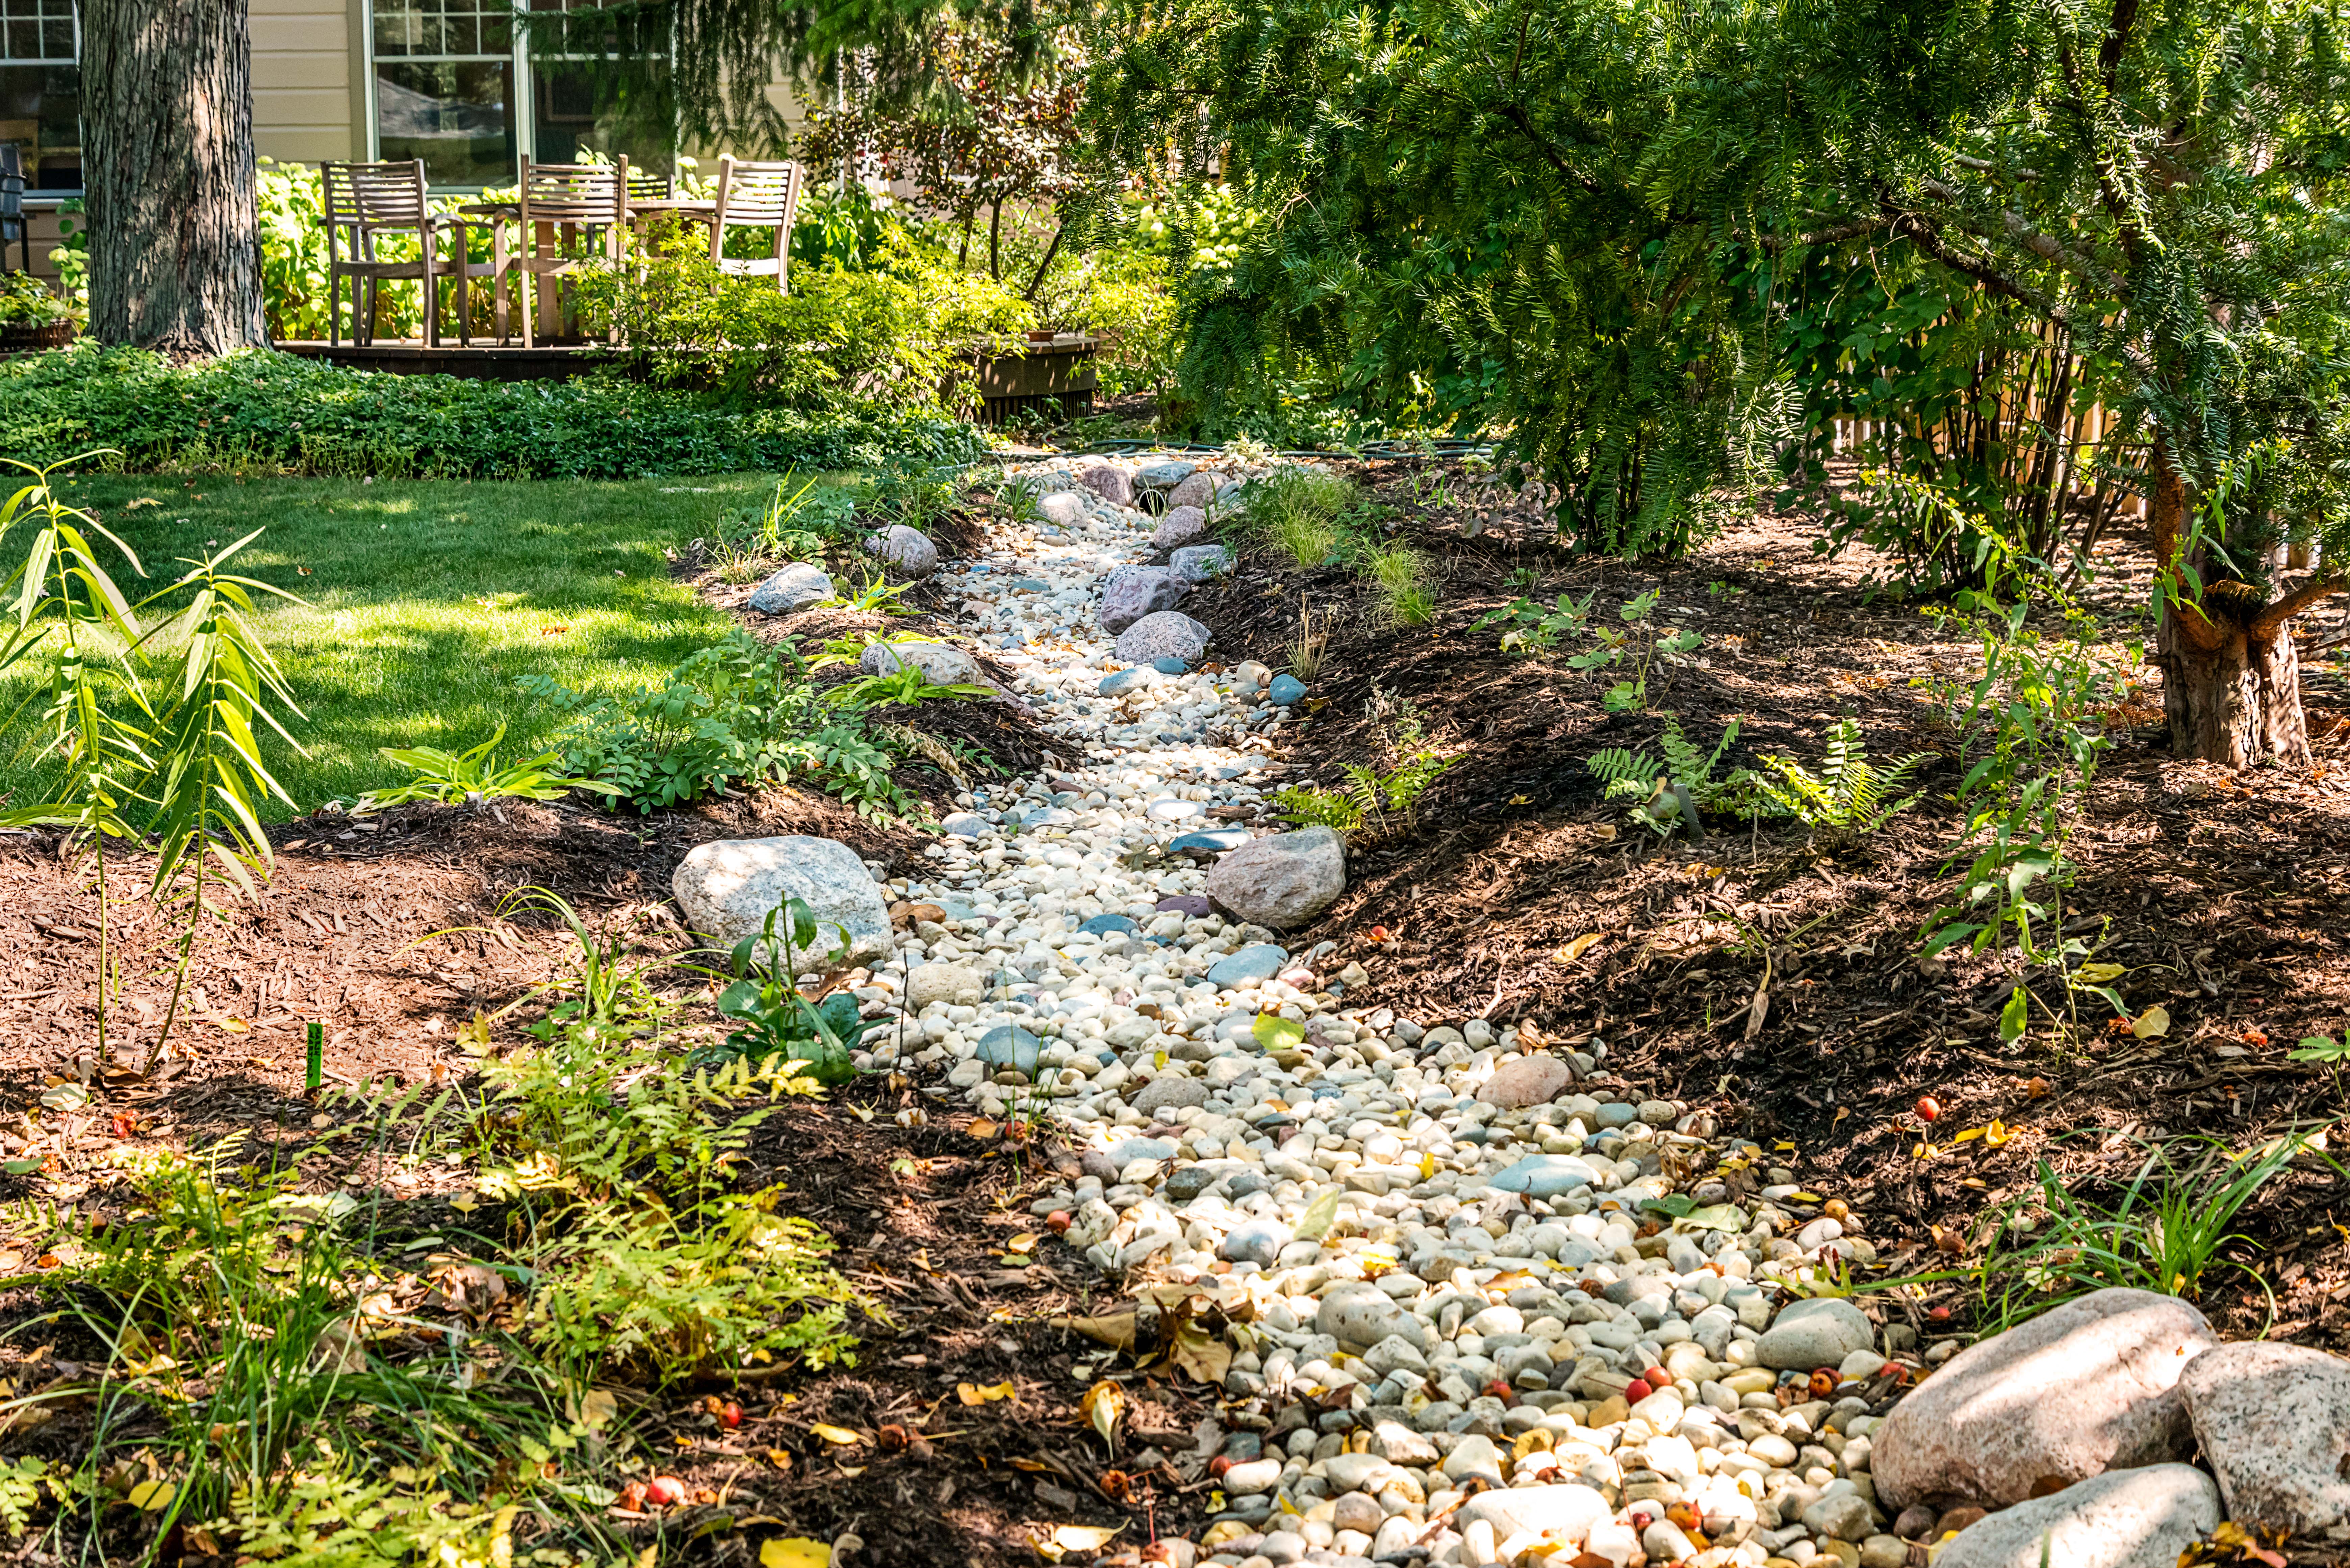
[(40, 112), (458, 118), (396, 30), (567, 121)]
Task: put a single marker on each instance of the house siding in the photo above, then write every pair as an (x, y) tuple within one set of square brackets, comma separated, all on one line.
[(305, 90)]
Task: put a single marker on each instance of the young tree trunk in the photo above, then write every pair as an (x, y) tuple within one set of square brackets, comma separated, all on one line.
[(167, 107), (2230, 679), (2234, 698)]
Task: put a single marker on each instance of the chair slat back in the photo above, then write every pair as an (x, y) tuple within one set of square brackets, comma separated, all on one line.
[(375, 195), (645, 185), (764, 194), (575, 192)]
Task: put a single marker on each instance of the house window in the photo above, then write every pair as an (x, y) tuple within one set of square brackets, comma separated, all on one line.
[(444, 87), (461, 86), (41, 91)]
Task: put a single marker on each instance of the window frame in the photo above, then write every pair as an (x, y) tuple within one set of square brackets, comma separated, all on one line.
[(41, 197), (518, 65), (525, 66)]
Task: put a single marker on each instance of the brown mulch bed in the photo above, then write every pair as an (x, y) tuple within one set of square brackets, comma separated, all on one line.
[(2223, 893)]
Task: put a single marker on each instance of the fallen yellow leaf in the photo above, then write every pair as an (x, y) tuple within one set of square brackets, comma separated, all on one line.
[(234, 1026), (840, 1435), (2154, 1023), (1520, 800), (597, 1407), (795, 1552), (1023, 1242), (1104, 1406), (152, 1497), (981, 1128), (2100, 973), (1578, 947), (973, 1394), (1084, 1537)]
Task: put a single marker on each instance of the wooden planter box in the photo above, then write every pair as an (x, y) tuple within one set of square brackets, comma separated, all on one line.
[(1054, 376), (20, 339)]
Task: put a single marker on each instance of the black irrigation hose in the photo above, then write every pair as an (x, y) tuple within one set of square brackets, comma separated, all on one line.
[(1450, 446)]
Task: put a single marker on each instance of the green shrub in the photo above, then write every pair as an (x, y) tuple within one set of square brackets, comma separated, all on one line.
[(739, 712), (903, 333), (1299, 510), (269, 412)]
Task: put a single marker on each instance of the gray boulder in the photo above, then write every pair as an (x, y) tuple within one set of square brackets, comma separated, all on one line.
[(1567, 1512), (1523, 1080), (794, 588), (1163, 634), (1166, 1092), (2130, 1518), (726, 888), (1199, 563), (2274, 1424), (1183, 525), (1358, 1315), (1818, 1332), (910, 550), (954, 984), (1112, 484), (1283, 881), (1133, 592), (2084, 1388), (941, 663), (1197, 490), (1062, 509)]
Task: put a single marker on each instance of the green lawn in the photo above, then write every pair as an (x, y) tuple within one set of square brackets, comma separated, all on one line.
[(426, 601)]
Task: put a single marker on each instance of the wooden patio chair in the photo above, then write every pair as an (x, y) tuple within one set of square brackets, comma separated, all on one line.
[(645, 185), (364, 201), (574, 217), (756, 196)]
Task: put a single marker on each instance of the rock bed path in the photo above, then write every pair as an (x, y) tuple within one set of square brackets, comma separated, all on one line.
[(1487, 1303)]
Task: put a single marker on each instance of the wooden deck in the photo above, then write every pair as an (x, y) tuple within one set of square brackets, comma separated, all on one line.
[(1055, 377), (482, 362)]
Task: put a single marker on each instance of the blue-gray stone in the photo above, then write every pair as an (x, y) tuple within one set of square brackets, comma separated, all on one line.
[(1125, 680), (1009, 1045), (1257, 1241), (1285, 691), (1542, 1175), (1245, 1184), (1220, 838), (1034, 585), (1201, 563), (965, 824), (1170, 665), (1165, 476), (1129, 1149), (1103, 925), (1049, 816), (1258, 960), (1617, 1114)]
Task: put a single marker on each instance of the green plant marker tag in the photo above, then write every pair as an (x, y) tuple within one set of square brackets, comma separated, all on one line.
[(315, 1069)]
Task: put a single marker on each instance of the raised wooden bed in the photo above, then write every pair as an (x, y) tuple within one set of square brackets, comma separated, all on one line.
[(1054, 374)]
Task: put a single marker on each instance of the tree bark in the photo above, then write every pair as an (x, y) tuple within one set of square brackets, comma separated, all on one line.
[(167, 96), (2230, 679)]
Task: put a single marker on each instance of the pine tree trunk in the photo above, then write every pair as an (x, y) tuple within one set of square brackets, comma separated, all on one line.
[(167, 108), (2237, 702)]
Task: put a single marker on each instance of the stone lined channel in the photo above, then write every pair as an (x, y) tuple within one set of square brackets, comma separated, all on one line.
[(1490, 1307)]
